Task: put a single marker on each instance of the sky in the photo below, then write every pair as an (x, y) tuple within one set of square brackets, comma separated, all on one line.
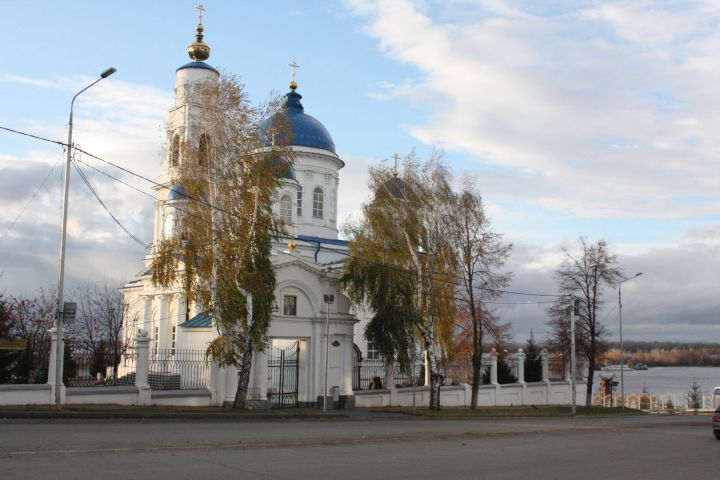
[(584, 118)]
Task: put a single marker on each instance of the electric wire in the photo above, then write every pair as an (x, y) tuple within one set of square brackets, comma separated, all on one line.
[(105, 207), (37, 137), (34, 195), (278, 234)]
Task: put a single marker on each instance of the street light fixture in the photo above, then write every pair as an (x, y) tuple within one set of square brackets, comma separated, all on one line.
[(63, 240), (622, 353), (329, 299)]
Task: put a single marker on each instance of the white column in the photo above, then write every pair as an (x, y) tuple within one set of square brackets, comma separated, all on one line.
[(51, 368), (493, 367), (261, 374), (163, 322), (147, 313), (545, 366), (142, 365), (179, 315), (521, 366), (348, 354)]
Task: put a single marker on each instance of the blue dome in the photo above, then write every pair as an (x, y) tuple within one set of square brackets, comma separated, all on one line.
[(307, 131), (202, 65), (284, 169), (176, 193)]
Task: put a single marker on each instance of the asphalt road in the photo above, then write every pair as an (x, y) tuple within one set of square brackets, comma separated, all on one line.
[(562, 448)]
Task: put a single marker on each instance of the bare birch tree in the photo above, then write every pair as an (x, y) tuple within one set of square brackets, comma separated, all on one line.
[(584, 276), (480, 254), (101, 325)]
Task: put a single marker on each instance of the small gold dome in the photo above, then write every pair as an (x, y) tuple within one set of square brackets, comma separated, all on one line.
[(293, 85), (199, 51)]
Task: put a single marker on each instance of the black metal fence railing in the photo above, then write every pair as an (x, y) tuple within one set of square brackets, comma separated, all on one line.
[(405, 379), (99, 368), (174, 369), (369, 374), (24, 366)]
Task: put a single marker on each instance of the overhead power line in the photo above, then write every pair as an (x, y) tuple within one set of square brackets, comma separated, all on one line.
[(279, 234), (37, 137), (97, 197), (34, 195)]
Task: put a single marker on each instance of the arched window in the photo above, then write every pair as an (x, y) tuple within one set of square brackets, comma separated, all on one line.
[(203, 149), (318, 203), (175, 151), (286, 209)]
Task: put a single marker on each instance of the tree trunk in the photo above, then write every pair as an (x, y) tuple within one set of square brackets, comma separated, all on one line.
[(435, 383), (435, 377), (243, 377), (476, 374), (588, 390)]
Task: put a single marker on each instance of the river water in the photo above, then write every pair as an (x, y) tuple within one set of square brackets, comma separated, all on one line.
[(665, 379)]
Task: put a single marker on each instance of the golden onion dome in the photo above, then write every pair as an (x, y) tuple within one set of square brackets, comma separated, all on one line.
[(199, 51)]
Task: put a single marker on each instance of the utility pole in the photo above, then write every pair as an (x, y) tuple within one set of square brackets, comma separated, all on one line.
[(622, 353), (63, 241), (573, 375)]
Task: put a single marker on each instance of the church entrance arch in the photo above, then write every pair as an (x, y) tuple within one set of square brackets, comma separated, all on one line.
[(283, 373)]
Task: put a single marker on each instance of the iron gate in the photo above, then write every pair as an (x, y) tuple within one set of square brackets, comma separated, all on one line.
[(283, 373)]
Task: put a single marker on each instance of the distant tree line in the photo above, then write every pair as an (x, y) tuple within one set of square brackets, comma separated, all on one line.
[(667, 354)]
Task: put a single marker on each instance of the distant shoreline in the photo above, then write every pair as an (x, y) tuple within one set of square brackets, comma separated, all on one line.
[(665, 354)]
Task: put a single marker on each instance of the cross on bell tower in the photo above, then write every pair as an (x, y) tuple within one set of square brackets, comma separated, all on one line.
[(201, 12), (395, 157), (294, 65)]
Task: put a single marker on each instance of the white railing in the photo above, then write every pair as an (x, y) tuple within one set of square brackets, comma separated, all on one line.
[(658, 402)]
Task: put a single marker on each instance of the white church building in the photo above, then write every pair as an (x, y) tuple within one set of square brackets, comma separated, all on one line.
[(309, 302), (316, 337)]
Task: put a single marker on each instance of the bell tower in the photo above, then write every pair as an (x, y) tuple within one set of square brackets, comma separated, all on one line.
[(184, 127)]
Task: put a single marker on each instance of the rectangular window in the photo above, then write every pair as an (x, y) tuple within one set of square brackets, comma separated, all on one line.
[(156, 339), (372, 353), (290, 305), (299, 204), (172, 344)]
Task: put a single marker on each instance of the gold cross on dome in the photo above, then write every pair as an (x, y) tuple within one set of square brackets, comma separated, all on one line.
[(294, 66), (396, 157), (200, 9)]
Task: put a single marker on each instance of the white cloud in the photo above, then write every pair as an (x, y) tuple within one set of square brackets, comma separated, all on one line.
[(608, 111), (117, 121)]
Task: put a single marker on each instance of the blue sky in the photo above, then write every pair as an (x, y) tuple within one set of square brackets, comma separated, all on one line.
[(576, 118)]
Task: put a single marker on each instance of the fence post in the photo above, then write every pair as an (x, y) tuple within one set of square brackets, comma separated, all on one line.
[(51, 367), (545, 365), (493, 367), (142, 365), (521, 365)]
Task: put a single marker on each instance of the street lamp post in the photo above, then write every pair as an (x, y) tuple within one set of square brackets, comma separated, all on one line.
[(63, 240), (622, 353), (329, 299)]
